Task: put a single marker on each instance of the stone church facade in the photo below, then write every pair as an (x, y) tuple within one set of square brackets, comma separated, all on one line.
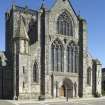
[(47, 55)]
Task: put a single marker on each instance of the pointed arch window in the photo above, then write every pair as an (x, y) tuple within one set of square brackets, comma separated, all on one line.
[(89, 76), (35, 72), (72, 58), (57, 56), (64, 25)]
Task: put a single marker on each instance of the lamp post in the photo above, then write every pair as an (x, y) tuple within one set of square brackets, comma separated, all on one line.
[(66, 94)]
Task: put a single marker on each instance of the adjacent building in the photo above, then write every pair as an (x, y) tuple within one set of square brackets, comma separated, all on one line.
[(103, 81)]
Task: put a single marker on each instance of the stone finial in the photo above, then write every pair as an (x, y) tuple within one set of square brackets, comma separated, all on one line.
[(13, 6)]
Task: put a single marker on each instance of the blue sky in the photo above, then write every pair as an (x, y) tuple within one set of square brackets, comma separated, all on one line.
[(92, 10)]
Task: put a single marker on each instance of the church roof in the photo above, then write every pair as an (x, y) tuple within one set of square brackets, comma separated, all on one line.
[(97, 61), (21, 30), (23, 9)]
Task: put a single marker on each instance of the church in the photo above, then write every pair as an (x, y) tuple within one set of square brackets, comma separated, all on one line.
[(46, 55)]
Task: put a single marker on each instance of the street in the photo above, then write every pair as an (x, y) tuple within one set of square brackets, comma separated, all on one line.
[(3, 102), (86, 102), (96, 101)]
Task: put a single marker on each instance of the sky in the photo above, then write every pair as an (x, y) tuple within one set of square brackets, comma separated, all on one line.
[(92, 10)]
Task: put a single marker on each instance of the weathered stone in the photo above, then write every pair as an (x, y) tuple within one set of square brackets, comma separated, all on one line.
[(29, 38)]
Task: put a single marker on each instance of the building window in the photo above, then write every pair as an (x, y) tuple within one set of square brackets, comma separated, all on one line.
[(23, 70), (57, 56), (64, 25), (35, 72), (72, 58), (89, 76), (32, 31), (76, 50)]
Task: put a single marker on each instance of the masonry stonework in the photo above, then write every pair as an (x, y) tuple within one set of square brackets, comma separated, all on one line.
[(47, 54)]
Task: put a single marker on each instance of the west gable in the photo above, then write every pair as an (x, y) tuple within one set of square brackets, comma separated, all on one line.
[(59, 7)]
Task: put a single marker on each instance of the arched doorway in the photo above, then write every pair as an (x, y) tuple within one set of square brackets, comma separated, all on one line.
[(62, 91), (66, 89)]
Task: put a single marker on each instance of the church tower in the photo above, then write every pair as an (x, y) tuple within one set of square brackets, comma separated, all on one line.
[(21, 58), (83, 54)]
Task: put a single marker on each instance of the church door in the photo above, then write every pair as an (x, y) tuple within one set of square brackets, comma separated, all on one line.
[(66, 89), (61, 91)]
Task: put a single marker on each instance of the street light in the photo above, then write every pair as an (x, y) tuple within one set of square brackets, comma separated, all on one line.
[(66, 94)]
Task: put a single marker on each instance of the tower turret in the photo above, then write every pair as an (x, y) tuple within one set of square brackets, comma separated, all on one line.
[(22, 39), (21, 51)]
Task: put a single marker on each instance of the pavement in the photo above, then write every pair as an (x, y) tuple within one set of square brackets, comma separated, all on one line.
[(79, 101), (5, 102)]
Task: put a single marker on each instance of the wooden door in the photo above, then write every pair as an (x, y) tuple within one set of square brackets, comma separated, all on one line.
[(61, 91)]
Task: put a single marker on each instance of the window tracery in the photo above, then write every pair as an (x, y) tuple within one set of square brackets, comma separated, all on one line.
[(64, 25), (35, 72), (89, 76), (72, 58), (57, 56)]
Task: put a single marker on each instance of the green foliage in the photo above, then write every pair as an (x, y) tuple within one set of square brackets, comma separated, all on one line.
[(103, 92), (97, 95)]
